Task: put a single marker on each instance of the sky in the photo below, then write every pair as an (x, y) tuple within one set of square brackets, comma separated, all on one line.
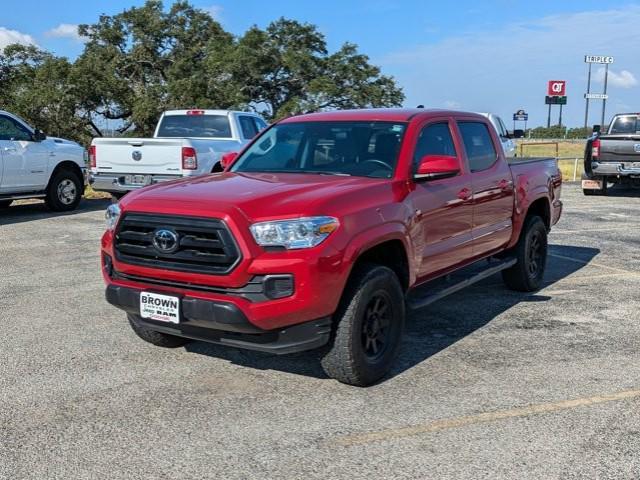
[(492, 55)]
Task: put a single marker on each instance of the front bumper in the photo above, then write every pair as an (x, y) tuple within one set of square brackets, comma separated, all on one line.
[(225, 324), (621, 169), (116, 183)]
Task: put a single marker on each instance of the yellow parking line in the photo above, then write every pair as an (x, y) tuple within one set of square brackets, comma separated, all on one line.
[(570, 259), (450, 423)]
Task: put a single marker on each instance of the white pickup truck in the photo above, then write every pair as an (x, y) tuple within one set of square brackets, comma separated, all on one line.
[(185, 143), (33, 165)]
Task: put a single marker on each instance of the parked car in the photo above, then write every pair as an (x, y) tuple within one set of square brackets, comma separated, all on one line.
[(506, 138), (613, 157), (186, 143), (323, 229), (33, 165)]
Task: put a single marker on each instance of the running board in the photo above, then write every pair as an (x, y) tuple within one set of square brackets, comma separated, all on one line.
[(22, 196), (440, 288)]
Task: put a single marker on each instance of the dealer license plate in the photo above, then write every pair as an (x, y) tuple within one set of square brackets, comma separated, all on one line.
[(162, 308), (137, 179), (592, 184)]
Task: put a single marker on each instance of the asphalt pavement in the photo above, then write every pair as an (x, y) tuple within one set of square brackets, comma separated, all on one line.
[(491, 383)]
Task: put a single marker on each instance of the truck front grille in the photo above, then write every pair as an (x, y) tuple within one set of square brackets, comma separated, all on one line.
[(187, 244)]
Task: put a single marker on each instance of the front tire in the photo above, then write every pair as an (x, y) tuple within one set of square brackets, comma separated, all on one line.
[(369, 327), (531, 254), (158, 339), (64, 191)]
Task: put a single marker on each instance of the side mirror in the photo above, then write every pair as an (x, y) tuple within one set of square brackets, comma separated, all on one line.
[(518, 134), (596, 129), (227, 159), (39, 135), (432, 167)]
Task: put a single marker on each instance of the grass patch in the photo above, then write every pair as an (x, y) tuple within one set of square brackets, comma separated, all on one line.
[(91, 194), (565, 149)]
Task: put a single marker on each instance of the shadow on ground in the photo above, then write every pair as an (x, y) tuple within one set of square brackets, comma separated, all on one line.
[(430, 330), (36, 210)]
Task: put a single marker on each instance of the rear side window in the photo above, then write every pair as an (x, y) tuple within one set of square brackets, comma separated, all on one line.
[(203, 126), (478, 145), (627, 124), (248, 126), (434, 139)]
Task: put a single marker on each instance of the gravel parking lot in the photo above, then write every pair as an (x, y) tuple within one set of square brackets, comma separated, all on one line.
[(491, 383)]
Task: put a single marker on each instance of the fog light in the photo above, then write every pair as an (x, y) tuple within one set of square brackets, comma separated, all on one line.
[(278, 286), (107, 264)]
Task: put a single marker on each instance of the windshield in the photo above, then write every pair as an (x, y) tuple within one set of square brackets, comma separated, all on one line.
[(207, 126), (366, 149), (627, 124)]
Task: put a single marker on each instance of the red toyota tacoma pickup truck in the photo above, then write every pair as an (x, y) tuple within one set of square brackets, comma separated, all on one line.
[(325, 230)]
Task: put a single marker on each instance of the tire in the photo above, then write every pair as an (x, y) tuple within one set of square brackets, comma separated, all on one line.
[(531, 254), (64, 191), (5, 204), (158, 339), (369, 327)]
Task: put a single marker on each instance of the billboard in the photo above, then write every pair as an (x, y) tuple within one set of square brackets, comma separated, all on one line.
[(557, 88)]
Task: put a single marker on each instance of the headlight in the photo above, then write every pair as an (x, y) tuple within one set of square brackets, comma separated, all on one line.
[(293, 234), (112, 215)]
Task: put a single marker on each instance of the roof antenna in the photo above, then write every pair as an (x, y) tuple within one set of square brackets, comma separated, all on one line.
[(420, 106)]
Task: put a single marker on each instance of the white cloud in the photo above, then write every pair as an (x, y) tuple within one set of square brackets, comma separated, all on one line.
[(624, 79), (7, 37), (215, 11), (504, 69), (65, 30)]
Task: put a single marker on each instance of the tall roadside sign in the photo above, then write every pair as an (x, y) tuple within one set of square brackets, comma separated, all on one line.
[(602, 60), (556, 95)]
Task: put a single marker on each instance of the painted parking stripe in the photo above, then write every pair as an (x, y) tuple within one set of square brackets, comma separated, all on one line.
[(487, 417)]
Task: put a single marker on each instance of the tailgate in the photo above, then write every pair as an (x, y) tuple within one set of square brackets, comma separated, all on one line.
[(139, 155), (620, 149)]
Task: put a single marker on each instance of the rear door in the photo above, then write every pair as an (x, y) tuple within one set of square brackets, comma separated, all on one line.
[(492, 185), (443, 208)]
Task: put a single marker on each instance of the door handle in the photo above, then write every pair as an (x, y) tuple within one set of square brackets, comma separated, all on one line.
[(52, 154), (505, 185), (9, 149), (464, 194)]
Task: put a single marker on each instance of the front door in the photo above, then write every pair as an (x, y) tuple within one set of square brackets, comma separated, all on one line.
[(493, 193), (25, 161), (443, 208)]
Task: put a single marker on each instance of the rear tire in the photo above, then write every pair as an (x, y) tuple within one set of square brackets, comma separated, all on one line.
[(369, 327), (158, 339), (5, 204), (64, 191), (531, 254)]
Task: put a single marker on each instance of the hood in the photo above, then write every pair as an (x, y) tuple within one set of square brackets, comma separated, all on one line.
[(255, 195)]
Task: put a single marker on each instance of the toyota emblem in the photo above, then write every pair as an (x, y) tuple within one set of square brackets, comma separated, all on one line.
[(136, 155), (165, 240)]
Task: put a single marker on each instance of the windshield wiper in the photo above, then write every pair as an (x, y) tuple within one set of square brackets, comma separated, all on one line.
[(325, 172)]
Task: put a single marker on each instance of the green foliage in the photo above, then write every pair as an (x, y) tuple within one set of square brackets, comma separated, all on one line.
[(557, 131), (147, 59)]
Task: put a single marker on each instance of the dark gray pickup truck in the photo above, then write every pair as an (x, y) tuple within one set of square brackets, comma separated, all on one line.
[(613, 157)]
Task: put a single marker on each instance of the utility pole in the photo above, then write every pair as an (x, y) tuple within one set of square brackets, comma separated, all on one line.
[(586, 108), (604, 100)]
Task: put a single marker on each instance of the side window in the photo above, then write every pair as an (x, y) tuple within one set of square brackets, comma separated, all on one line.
[(12, 130), (478, 145), (248, 127), (502, 131), (434, 139), (259, 124)]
